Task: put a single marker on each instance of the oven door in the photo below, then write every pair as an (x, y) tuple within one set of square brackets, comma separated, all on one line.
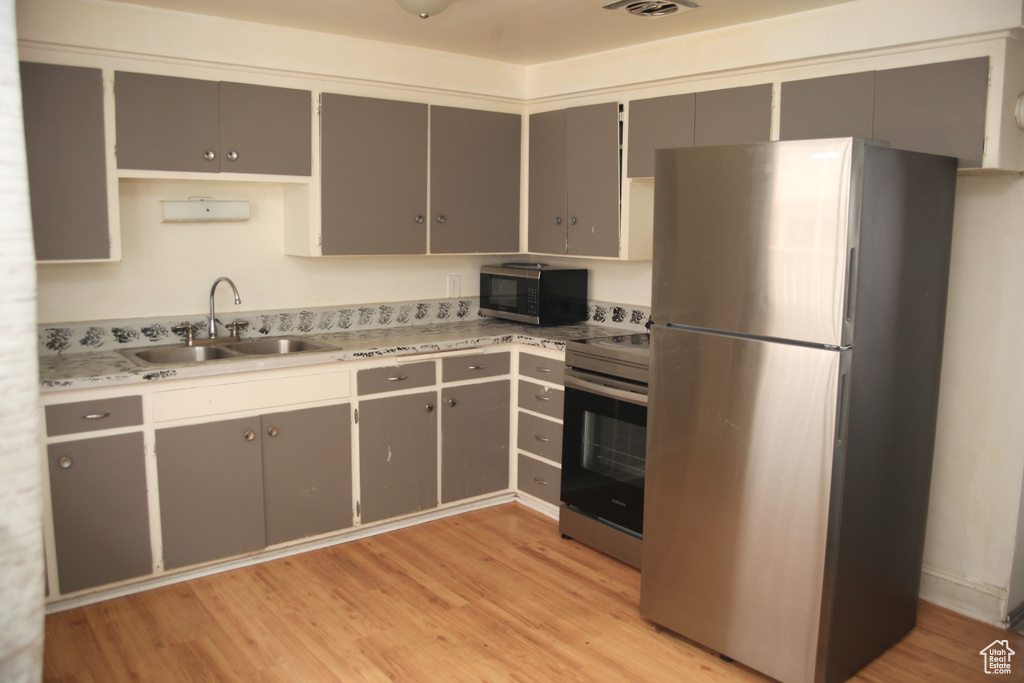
[(604, 446)]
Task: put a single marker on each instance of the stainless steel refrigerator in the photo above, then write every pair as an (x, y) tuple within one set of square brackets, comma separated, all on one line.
[(799, 294)]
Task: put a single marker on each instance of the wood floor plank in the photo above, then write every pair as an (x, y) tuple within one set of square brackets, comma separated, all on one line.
[(490, 595)]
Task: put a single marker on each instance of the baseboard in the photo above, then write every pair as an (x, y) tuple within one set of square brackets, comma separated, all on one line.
[(972, 599)]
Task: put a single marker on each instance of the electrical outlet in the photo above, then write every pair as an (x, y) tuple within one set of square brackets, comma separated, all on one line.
[(453, 286)]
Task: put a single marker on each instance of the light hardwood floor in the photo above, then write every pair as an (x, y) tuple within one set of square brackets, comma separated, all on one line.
[(489, 595)]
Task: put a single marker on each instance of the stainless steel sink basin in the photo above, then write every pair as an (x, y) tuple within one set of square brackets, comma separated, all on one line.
[(273, 346), (181, 354)]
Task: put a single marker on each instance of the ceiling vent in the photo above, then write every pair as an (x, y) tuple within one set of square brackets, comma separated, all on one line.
[(652, 8)]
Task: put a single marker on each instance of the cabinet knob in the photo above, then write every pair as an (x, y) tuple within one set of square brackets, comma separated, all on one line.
[(420, 219), (430, 407), (250, 435), (572, 221), (64, 462), (441, 219), (451, 402), (272, 431), (232, 155), (210, 155), (558, 220)]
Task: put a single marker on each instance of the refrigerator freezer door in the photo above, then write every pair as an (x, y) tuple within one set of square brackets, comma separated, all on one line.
[(756, 239), (740, 463)]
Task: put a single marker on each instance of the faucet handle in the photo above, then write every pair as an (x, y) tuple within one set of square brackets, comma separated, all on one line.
[(237, 326), (189, 329)]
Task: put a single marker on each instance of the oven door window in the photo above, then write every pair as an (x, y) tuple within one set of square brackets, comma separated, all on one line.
[(614, 448)]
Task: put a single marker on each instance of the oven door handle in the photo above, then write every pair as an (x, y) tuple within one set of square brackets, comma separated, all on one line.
[(604, 387)]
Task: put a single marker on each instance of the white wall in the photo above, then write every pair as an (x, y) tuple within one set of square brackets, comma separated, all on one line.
[(979, 460)]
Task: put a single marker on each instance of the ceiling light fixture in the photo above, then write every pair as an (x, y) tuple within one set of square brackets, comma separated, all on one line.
[(424, 9)]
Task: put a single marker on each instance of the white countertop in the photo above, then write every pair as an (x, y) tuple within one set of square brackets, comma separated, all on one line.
[(109, 368)]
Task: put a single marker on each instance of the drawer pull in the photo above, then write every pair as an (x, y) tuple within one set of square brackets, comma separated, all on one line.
[(542, 397), (64, 462), (540, 482), (541, 438), (477, 367), (95, 416), (397, 378), (541, 368)]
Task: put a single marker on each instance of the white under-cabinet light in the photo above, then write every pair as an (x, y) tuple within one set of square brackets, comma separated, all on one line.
[(205, 210)]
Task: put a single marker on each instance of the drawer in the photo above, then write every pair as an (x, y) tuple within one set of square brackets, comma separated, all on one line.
[(90, 416), (539, 479), (395, 378), (541, 367), (461, 368), (541, 399), (540, 436)]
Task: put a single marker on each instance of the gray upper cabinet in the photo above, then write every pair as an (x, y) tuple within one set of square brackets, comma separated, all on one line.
[(829, 107), (658, 123), (166, 123), (307, 472), (397, 455), (937, 108), (100, 510), (475, 169), (211, 490), (66, 148), (733, 115), (475, 439), (373, 176), (574, 181)]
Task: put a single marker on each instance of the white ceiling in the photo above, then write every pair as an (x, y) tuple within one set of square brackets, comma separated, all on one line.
[(515, 31)]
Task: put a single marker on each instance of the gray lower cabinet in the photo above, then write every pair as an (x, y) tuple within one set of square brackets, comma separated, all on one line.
[(211, 490), (475, 172), (100, 510), (474, 440), (66, 149), (397, 455), (373, 176), (166, 123), (574, 181), (936, 108), (236, 486), (307, 472)]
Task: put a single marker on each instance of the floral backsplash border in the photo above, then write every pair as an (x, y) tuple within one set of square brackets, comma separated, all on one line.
[(102, 335)]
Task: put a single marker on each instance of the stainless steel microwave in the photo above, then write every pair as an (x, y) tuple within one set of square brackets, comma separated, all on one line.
[(534, 293)]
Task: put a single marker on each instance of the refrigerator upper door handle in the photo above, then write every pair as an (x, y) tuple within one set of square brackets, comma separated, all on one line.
[(851, 288)]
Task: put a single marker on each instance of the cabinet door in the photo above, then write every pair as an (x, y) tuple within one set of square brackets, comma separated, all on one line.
[(66, 148), (829, 107), (592, 172), (211, 490), (265, 130), (397, 455), (547, 220), (307, 472), (474, 440), (657, 123), (475, 171), (733, 115), (100, 510), (935, 108), (165, 123), (373, 175)]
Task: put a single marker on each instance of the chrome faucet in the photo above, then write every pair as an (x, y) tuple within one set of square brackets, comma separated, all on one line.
[(213, 316)]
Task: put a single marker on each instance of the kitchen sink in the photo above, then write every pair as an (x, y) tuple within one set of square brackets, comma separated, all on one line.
[(205, 352), (274, 346), (181, 354)]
